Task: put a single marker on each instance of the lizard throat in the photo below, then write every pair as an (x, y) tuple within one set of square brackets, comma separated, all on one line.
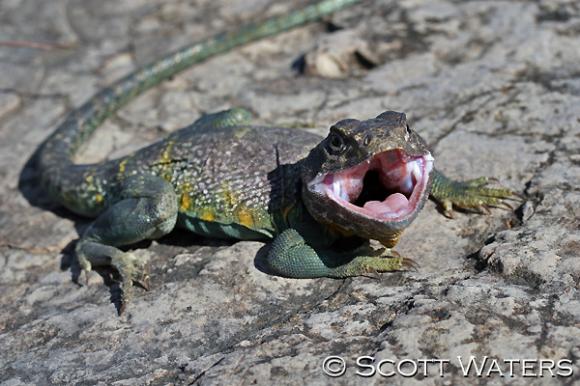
[(387, 187)]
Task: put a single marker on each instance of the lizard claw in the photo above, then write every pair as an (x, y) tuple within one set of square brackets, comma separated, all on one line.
[(502, 205), (143, 280), (410, 264), (518, 196)]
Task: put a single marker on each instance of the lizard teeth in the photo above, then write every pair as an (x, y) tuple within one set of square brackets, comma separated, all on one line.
[(416, 171), (341, 187), (413, 174), (336, 188), (407, 184)]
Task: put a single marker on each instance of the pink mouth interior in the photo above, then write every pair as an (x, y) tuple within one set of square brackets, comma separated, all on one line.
[(386, 187)]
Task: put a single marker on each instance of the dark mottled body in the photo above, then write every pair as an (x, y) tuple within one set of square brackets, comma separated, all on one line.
[(241, 175)]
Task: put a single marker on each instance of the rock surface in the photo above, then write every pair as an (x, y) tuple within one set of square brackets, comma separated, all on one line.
[(493, 86)]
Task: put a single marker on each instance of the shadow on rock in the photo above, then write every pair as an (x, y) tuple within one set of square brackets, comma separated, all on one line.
[(29, 184)]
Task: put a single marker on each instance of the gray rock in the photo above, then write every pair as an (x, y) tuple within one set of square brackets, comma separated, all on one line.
[(493, 86)]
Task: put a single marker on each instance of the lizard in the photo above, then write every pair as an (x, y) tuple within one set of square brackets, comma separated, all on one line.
[(318, 201)]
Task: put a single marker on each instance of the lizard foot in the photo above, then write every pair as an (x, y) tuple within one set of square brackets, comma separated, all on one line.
[(131, 270), (127, 269), (475, 195), (290, 256), (386, 261)]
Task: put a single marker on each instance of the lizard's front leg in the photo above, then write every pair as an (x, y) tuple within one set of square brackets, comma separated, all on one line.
[(147, 210), (291, 256), (470, 195)]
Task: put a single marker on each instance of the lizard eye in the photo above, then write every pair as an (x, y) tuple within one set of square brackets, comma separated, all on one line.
[(335, 144)]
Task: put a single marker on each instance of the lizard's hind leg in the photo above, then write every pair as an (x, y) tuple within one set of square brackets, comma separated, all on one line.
[(147, 210)]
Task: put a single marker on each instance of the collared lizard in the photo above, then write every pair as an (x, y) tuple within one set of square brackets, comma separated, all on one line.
[(318, 200)]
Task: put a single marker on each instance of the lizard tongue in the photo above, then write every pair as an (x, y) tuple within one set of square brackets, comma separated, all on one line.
[(392, 204)]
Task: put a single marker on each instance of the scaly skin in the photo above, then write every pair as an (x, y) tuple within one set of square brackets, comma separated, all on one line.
[(222, 177), (470, 195)]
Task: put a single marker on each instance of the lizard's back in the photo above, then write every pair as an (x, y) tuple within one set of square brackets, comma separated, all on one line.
[(237, 177)]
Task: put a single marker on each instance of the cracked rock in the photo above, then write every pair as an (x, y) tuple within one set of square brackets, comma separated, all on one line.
[(493, 86)]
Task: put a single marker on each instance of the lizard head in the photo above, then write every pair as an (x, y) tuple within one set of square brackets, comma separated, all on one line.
[(368, 178)]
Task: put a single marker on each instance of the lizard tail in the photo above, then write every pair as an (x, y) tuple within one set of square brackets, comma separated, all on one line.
[(61, 177)]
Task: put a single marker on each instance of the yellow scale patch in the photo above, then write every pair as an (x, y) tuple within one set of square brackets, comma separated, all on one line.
[(122, 165), (185, 201), (245, 217), (207, 214), (166, 161), (242, 214), (99, 198), (90, 181)]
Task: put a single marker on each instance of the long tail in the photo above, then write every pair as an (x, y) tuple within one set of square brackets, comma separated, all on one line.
[(55, 156)]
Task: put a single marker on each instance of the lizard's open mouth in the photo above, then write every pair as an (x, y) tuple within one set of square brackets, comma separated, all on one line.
[(387, 187)]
